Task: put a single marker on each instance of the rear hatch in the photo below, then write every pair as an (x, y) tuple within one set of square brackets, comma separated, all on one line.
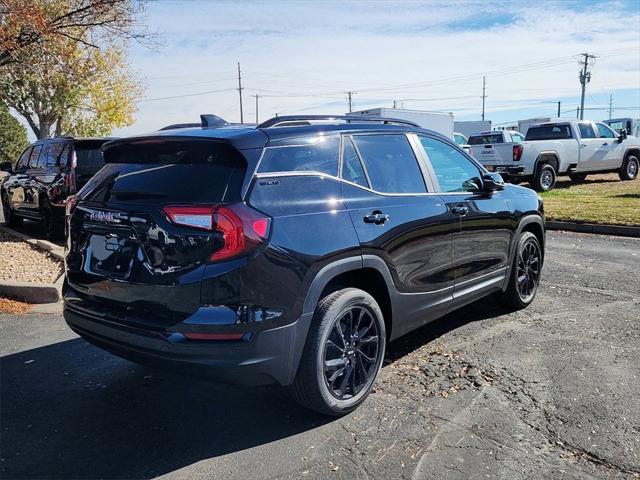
[(144, 227)]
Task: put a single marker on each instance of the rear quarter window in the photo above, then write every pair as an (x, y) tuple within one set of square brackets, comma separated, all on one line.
[(89, 155), (314, 154)]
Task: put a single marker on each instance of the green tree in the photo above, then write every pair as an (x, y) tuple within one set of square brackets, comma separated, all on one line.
[(13, 136)]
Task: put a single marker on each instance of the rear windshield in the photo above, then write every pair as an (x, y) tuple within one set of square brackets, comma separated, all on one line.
[(486, 139), (88, 155), (168, 171), (548, 132)]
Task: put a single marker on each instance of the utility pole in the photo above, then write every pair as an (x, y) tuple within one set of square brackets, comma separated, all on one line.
[(558, 110), (395, 103), (350, 99), (240, 93), (257, 97), (610, 106), (483, 95), (585, 77)]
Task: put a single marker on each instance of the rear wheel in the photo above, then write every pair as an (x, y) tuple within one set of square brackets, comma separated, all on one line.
[(343, 353), (578, 177), (10, 218), (544, 178), (629, 169), (525, 273)]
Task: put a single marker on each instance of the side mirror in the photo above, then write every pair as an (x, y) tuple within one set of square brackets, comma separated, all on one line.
[(492, 182), (6, 167), (623, 135)]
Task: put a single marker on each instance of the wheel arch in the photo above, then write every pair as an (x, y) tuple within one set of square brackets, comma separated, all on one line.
[(549, 157), (633, 150), (530, 223)]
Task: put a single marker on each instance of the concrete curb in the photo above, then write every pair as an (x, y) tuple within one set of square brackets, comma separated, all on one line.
[(619, 230), (34, 292), (55, 250), (31, 292)]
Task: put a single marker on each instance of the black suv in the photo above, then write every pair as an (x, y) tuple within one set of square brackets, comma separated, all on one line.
[(44, 176), (293, 251)]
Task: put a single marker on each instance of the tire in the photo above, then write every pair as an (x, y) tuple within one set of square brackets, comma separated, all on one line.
[(339, 388), (10, 218), (578, 177), (516, 296), (629, 169), (53, 227), (544, 179)]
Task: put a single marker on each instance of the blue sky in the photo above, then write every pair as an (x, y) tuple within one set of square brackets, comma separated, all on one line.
[(301, 57)]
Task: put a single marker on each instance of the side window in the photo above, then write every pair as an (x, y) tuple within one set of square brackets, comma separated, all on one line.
[(454, 171), (53, 154), (390, 163), (351, 167), (23, 161), (604, 131), (320, 155), (586, 130), (33, 158), (516, 137), (64, 155)]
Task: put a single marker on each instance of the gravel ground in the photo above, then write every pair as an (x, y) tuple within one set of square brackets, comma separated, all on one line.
[(549, 392), (22, 262)]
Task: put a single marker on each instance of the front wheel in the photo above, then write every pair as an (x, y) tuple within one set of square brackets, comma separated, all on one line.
[(629, 169), (525, 273), (544, 178), (343, 353)]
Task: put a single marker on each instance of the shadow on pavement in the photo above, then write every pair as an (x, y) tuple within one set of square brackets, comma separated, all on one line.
[(70, 410)]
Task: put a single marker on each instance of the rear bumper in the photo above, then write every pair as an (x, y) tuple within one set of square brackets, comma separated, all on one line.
[(510, 170), (265, 357)]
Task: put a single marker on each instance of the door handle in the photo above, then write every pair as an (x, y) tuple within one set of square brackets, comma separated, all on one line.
[(460, 210), (582, 145), (605, 144), (376, 217)]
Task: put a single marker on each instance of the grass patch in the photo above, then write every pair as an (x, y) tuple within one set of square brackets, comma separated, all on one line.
[(600, 199)]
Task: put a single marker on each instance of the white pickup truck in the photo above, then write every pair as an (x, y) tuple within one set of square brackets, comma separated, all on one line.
[(498, 151), (569, 147)]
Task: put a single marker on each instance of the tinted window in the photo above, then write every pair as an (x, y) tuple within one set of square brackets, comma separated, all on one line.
[(604, 131), (51, 154), (548, 132), (460, 139), (390, 163), (351, 167), (485, 139), (168, 171), (88, 156), (516, 137), (586, 130), (454, 171), (33, 158), (23, 161), (64, 155), (319, 155)]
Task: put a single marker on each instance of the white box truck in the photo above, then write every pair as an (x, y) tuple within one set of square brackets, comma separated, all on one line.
[(472, 127), (437, 121)]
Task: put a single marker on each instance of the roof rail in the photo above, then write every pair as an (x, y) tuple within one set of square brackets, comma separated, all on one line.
[(299, 119), (207, 120)]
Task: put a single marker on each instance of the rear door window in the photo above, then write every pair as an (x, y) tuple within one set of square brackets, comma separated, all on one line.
[(23, 161), (586, 130), (168, 171), (390, 163), (313, 154), (35, 154)]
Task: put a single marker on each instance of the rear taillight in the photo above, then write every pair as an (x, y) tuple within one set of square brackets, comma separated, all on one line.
[(242, 228), (517, 152), (70, 204)]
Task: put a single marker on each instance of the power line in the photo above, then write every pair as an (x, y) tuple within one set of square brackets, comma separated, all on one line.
[(187, 95)]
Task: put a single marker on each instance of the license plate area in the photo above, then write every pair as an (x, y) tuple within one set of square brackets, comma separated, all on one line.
[(111, 255)]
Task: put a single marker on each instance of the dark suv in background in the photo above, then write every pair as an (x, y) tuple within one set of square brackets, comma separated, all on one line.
[(291, 252), (46, 173)]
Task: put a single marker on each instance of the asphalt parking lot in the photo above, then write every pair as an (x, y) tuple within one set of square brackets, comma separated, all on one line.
[(548, 392)]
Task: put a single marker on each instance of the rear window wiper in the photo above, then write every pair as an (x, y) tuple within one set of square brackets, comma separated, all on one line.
[(137, 194)]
